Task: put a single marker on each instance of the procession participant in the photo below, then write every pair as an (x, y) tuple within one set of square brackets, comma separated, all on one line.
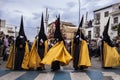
[(110, 56), (80, 51), (39, 49), (57, 55), (19, 51)]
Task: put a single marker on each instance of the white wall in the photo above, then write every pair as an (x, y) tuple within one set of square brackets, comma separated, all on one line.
[(103, 21), (6, 28), (114, 33), (92, 32)]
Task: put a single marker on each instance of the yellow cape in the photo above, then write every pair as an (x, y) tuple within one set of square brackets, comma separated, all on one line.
[(84, 59), (57, 53), (35, 60), (26, 57), (10, 61), (110, 56), (72, 47)]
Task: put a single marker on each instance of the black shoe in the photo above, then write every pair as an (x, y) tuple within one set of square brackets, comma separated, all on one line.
[(81, 68), (31, 69), (18, 69), (107, 67), (76, 68), (39, 68), (57, 69)]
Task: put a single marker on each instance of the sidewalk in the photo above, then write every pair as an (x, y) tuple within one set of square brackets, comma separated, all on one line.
[(3, 63), (96, 63)]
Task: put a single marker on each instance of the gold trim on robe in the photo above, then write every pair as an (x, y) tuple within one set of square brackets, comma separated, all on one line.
[(46, 47), (84, 59), (26, 57), (111, 56), (34, 60), (72, 47), (10, 61), (57, 53)]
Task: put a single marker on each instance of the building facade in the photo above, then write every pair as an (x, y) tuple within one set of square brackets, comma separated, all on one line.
[(7, 29), (101, 17), (68, 31), (88, 29)]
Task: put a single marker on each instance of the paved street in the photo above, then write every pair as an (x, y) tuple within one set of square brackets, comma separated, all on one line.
[(66, 73)]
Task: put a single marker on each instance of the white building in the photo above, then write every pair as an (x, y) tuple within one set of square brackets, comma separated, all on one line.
[(88, 29), (89, 32), (7, 29), (101, 17)]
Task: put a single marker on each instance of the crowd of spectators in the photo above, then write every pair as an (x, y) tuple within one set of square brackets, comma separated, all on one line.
[(93, 45), (5, 41)]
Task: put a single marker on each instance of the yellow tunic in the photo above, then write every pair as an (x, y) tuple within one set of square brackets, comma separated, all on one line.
[(35, 60), (26, 57), (10, 61), (111, 56), (57, 53), (84, 59)]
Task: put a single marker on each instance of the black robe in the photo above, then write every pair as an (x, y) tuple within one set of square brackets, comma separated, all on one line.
[(41, 50), (76, 54), (77, 46), (19, 53)]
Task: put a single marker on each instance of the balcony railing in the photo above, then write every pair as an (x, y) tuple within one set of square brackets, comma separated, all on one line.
[(114, 27), (115, 12)]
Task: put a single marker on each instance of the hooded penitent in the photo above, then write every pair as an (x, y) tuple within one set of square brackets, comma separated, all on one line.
[(80, 51), (57, 55), (39, 48), (19, 52), (110, 56)]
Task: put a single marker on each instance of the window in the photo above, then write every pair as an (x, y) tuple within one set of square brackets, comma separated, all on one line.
[(97, 33), (90, 23), (89, 35), (89, 32), (115, 20), (106, 14), (2, 23), (97, 18)]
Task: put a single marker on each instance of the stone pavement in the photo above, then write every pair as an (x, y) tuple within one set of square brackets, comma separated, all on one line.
[(95, 72), (60, 75), (2, 63), (96, 64)]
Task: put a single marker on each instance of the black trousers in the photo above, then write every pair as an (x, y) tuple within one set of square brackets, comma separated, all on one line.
[(55, 65)]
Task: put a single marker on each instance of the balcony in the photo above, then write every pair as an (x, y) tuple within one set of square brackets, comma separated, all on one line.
[(115, 12), (114, 27), (10, 31)]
